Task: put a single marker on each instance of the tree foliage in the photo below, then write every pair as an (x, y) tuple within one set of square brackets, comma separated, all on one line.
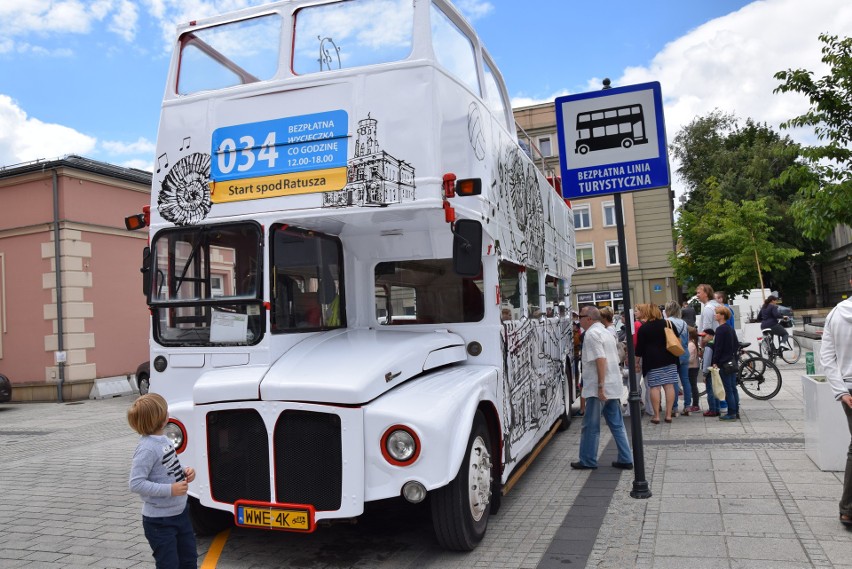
[(736, 216), (824, 176)]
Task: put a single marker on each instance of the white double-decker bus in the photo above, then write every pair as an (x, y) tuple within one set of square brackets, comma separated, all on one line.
[(354, 273)]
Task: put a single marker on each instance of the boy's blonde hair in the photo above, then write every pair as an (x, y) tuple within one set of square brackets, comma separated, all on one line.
[(148, 414)]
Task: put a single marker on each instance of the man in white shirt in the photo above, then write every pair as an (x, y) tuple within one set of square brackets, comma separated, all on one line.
[(602, 388), (836, 358)]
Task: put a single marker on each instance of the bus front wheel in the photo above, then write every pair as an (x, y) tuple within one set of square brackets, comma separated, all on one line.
[(626, 143), (583, 149), (460, 509)]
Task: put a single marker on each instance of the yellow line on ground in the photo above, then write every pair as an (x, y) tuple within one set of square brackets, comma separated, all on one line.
[(212, 557)]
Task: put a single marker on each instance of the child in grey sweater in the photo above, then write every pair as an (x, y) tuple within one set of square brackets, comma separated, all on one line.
[(157, 476)]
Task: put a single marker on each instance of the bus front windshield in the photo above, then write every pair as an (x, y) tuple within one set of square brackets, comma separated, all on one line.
[(206, 285), (306, 281)]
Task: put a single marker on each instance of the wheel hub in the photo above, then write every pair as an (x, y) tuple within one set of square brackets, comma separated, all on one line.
[(479, 478)]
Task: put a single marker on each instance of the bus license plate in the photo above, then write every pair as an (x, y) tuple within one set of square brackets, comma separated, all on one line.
[(270, 517)]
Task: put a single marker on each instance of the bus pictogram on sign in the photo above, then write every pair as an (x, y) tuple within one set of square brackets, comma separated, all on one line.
[(610, 128)]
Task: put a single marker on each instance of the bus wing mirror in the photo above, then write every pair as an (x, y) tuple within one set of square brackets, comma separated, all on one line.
[(146, 271), (467, 248)]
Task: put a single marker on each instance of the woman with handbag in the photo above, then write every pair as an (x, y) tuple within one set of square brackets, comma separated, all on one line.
[(725, 359), (659, 366)]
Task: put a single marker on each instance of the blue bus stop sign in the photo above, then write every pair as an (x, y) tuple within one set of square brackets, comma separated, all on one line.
[(612, 141)]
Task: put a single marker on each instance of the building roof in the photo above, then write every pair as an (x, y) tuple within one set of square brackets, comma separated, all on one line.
[(78, 163)]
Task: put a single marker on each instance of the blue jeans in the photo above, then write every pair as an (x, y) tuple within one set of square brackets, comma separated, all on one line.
[(172, 541), (683, 371), (732, 394), (590, 434)]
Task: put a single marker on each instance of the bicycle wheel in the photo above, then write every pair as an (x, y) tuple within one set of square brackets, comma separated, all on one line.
[(759, 378), (767, 349), (791, 355)]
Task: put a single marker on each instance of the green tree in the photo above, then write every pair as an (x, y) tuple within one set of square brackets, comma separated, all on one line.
[(727, 244), (824, 200), (745, 230), (726, 165)]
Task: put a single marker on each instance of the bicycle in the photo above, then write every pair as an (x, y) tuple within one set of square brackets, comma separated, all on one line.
[(757, 376), (771, 349)]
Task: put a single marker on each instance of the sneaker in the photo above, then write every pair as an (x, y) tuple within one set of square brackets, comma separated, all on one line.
[(685, 413), (694, 409), (711, 414), (728, 418)]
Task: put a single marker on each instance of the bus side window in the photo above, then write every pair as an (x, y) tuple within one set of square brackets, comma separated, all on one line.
[(453, 49), (510, 289)]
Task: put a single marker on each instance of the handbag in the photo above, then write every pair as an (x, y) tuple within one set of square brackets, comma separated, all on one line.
[(716, 380), (729, 368), (673, 344)]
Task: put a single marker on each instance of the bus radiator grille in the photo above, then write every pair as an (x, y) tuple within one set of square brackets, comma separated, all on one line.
[(309, 459), (238, 450)]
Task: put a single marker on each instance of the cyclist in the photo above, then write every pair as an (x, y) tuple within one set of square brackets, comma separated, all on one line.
[(770, 318)]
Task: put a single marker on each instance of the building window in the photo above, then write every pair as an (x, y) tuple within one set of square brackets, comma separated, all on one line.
[(608, 214), (585, 256), (582, 217), (612, 253), (545, 147)]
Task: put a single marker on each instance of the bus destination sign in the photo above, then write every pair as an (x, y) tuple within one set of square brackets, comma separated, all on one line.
[(612, 141), (286, 156)]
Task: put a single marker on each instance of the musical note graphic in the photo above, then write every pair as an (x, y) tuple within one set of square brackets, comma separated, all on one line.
[(162, 162), (186, 142)]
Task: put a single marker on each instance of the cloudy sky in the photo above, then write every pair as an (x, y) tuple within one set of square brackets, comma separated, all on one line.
[(87, 76)]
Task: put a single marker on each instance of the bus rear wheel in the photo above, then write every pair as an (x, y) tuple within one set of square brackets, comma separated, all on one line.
[(460, 509), (583, 149), (626, 143)]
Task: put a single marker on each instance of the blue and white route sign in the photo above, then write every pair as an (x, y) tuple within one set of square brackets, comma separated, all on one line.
[(612, 141)]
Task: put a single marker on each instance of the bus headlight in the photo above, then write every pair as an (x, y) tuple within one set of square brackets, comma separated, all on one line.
[(175, 432), (400, 446)]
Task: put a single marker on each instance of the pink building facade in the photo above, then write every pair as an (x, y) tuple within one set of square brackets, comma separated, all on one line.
[(55, 341)]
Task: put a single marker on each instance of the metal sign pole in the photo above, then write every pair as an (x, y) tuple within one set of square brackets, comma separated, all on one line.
[(641, 488)]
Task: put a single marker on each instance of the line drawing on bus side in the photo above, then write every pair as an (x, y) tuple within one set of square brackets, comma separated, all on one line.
[(610, 127), (375, 178)]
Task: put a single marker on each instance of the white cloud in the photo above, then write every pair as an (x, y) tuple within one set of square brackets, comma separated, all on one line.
[(124, 20), (525, 101), (141, 146), (474, 9), (728, 63), (24, 138), (146, 165), (29, 23)]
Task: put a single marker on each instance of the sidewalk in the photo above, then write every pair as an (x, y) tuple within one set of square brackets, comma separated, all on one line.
[(725, 495)]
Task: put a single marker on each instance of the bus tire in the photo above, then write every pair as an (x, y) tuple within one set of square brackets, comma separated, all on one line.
[(208, 521), (583, 149), (460, 509), (626, 143)]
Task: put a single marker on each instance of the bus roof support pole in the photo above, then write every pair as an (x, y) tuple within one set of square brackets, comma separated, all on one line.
[(641, 488)]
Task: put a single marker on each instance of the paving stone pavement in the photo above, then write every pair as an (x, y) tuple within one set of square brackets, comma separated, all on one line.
[(725, 495)]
